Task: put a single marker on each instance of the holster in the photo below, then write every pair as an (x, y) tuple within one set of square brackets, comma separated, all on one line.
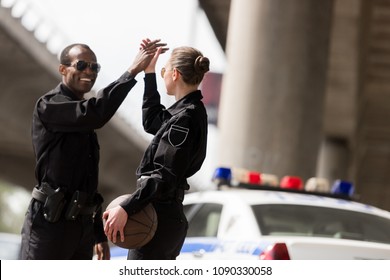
[(77, 202), (83, 204), (53, 201)]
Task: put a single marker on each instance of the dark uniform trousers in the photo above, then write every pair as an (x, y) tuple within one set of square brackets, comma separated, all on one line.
[(62, 240), (170, 234)]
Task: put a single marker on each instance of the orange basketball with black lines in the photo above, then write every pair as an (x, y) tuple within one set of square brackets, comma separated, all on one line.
[(140, 227)]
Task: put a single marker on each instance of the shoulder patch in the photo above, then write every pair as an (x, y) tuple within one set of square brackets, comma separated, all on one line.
[(177, 135)]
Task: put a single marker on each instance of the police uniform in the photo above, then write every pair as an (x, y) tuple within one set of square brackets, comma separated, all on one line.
[(67, 159), (176, 152)]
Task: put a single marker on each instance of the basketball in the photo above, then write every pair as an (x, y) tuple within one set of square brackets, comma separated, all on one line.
[(139, 228)]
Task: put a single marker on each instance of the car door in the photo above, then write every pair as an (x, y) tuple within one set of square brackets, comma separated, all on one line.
[(203, 225)]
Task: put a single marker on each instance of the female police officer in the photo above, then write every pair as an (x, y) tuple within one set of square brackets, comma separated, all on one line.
[(176, 152)]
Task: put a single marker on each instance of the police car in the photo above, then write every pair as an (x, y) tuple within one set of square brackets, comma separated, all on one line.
[(252, 215), (256, 216)]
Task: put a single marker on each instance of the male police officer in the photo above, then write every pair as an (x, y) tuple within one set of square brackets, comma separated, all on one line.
[(61, 221)]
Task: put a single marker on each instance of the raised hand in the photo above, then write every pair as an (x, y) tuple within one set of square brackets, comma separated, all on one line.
[(151, 68), (146, 53)]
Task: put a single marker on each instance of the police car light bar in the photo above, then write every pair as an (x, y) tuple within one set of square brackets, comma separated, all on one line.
[(233, 177), (243, 178)]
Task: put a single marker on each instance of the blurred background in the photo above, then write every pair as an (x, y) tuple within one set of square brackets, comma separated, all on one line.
[(297, 87)]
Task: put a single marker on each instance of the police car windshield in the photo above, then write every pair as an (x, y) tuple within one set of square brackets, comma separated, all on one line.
[(301, 220)]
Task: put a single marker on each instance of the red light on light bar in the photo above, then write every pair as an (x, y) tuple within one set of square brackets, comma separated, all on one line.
[(291, 182), (254, 178)]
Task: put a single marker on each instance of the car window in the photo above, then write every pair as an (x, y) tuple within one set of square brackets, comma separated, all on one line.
[(203, 219), (282, 219)]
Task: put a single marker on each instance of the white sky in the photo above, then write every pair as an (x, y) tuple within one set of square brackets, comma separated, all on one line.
[(114, 29)]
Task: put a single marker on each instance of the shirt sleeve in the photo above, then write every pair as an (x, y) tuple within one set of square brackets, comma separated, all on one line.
[(59, 114), (153, 112)]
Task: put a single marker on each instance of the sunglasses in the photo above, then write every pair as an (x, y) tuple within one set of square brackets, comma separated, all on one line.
[(163, 70), (81, 65)]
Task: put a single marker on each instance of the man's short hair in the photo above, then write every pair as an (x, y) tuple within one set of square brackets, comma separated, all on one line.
[(64, 57)]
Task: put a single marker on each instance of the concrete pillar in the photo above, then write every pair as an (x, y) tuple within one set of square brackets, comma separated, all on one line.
[(333, 160), (273, 88)]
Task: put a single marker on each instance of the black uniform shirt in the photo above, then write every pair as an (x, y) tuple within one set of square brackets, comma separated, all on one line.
[(64, 141), (177, 150)]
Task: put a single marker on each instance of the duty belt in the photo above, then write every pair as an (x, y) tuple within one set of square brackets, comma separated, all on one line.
[(54, 201)]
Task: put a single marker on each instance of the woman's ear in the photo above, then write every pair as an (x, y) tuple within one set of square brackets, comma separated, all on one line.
[(175, 74)]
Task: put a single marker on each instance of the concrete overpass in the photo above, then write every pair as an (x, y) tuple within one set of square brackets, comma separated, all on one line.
[(356, 130)]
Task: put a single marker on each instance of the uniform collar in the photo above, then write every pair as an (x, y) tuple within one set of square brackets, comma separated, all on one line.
[(63, 89), (184, 102)]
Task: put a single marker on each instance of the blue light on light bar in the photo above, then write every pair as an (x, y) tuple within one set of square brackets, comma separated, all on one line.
[(343, 188), (222, 173)]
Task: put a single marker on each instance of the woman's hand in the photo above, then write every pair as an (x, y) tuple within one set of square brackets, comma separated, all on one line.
[(151, 68), (115, 221)]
